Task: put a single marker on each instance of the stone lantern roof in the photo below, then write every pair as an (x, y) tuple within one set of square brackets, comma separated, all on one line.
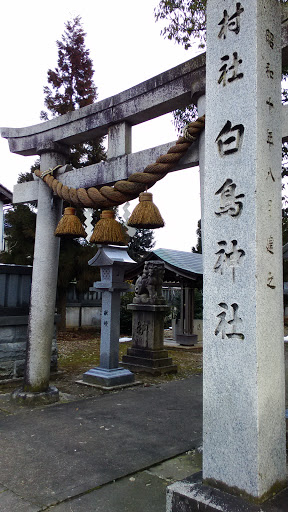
[(107, 255)]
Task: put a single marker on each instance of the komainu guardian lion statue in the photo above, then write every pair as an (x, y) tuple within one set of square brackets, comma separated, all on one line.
[(148, 287)]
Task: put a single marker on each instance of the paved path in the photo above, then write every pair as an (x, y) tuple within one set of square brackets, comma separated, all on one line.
[(52, 457)]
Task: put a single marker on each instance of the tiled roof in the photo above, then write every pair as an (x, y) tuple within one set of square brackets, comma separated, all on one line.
[(189, 261), (5, 195)]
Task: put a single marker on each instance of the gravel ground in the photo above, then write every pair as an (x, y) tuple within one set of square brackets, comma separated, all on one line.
[(78, 351)]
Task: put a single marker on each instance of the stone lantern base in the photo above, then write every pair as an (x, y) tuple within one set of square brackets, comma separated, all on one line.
[(107, 378)]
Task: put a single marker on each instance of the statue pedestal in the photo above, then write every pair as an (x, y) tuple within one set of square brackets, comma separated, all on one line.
[(147, 353)]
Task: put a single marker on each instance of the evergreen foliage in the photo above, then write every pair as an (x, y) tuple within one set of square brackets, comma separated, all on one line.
[(19, 224), (26, 176), (72, 81), (141, 244), (198, 246), (71, 86)]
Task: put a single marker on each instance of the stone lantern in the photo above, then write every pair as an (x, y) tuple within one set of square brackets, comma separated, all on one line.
[(113, 261)]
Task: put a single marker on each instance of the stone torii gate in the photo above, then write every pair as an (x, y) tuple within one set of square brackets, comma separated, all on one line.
[(175, 88), (114, 116)]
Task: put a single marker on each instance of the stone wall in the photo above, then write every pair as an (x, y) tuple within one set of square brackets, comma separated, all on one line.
[(15, 286), (79, 316), (13, 339)]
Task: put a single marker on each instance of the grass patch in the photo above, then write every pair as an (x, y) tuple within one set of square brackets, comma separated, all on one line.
[(79, 351)]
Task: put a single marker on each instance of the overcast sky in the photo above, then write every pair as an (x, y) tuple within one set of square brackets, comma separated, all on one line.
[(126, 48)]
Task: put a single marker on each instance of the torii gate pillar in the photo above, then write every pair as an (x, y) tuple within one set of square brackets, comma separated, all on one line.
[(44, 283)]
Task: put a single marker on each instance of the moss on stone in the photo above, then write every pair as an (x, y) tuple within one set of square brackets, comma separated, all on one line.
[(274, 489)]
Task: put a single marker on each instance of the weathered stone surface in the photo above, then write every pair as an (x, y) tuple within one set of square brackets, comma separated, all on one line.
[(13, 334), (117, 169), (148, 325), (12, 351), (13, 340), (49, 396), (286, 372), (13, 320), (161, 94), (148, 286), (147, 353), (284, 123), (44, 283), (6, 370), (119, 140), (244, 424), (191, 495), (158, 95), (154, 362), (284, 33), (108, 377), (19, 368), (187, 339), (7, 335), (20, 333)]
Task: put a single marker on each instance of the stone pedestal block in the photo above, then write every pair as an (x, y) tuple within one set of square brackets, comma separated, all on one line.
[(149, 361), (147, 353), (187, 339), (191, 495)]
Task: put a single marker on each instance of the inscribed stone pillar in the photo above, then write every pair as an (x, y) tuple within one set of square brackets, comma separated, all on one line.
[(44, 282), (244, 422)]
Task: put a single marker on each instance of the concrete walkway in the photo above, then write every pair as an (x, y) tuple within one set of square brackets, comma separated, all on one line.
[(103, 453)]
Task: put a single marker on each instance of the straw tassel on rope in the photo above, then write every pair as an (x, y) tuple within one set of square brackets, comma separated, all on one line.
[(108, 230), (70, 225), (146, 214)]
